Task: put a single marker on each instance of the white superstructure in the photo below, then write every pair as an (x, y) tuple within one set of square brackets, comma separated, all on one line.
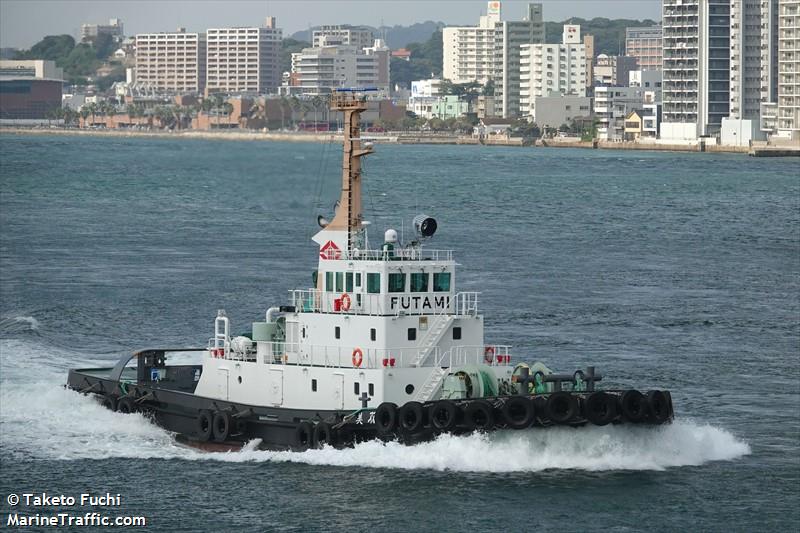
[(384, 323)]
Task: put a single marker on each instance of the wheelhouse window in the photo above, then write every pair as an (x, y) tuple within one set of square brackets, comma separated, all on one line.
[(373, 283), (339, 282), (419, 282), (329, 281), (358, 279), (348, 282), (441, 281), (397, 282)]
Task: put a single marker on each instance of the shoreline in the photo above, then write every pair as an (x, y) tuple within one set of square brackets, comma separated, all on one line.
[(789, 150)]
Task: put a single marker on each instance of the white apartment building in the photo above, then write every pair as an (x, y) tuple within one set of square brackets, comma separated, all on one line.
[(243, 60), (468, 51), (172, 62), (509, 36), (320, 70), (425, 95), (611, 106), (789, 69), (648, 80), (696, 67), (342, 34), (552, 69), (113, 28)]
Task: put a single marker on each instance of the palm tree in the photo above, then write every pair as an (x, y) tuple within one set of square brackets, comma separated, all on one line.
[(84, 113), (316, 101), (227, 109)]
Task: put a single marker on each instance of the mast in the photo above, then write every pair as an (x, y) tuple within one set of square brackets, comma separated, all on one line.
[(349, 215)]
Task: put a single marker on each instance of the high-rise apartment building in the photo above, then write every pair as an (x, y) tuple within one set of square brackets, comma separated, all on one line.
[(174, 62), (696, 67), (788, 120), (645, 45), (342, 34), (243, 60), (552, 69), (469, 51), (746, 59), (509, 36)]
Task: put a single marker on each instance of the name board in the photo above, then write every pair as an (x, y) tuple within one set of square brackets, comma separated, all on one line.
[(419, 303)]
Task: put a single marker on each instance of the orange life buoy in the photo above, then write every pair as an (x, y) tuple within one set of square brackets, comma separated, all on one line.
[(358, 357), (488, 354), (345, 302)]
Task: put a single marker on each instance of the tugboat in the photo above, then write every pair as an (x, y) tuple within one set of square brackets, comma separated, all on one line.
[(382, 346)]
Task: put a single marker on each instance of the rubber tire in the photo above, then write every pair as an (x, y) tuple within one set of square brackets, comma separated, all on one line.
[(126, 405), (109, 402), (411, 417), (633, 406), (600, 408), (304, 436), (561, 407), (386, 418), (445, 415), (519, 412), (204, 425), (324, 434), (221, 426), (239, 427), (479, 416), (659, 406)]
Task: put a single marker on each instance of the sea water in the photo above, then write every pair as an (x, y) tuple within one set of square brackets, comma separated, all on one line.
[(672, 271)]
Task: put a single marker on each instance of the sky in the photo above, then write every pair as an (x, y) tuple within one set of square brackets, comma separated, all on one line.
[(25, 22)]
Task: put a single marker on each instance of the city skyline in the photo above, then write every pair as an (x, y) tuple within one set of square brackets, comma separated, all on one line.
[(25, 22)]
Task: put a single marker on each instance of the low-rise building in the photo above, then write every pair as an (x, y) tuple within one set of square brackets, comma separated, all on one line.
[(554, 111), (29, 90), (613, 71), (611, 106)]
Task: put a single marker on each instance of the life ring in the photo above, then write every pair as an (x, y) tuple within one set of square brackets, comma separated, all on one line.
[(358, 357), (345, 302), (488, 354)]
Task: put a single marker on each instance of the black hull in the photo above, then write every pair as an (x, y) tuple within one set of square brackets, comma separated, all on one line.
[(218, 425)]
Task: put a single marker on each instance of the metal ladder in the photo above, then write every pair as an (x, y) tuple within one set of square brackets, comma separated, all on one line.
[(431, 384), (432, 338)]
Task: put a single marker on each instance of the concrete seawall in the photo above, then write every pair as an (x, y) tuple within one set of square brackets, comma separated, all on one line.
[(784, 150)]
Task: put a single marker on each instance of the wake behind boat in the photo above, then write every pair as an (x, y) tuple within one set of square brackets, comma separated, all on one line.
[(382, 346)]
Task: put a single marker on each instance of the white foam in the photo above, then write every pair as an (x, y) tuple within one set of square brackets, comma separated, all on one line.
[(40, 419)]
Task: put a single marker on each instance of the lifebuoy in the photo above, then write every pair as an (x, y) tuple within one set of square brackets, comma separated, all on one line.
[(358, 357), (488, 354), (345, 302)]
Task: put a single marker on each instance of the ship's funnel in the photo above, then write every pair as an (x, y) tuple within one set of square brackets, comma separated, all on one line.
[(425, 226)]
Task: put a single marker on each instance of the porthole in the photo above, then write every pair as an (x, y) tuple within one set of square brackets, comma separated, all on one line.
[(409, 389)]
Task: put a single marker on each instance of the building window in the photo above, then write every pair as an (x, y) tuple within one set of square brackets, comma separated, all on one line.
[(457, 333), (397, 282), (373, 283), (372, 334), (441, 281), (412, 334), (313, 385), (337, 332)]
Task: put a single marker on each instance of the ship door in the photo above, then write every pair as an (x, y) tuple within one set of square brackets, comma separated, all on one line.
[(338, 391), (276, 387), (222, 383)]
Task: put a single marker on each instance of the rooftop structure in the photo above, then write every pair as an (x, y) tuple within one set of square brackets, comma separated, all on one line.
[(342, 34)]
